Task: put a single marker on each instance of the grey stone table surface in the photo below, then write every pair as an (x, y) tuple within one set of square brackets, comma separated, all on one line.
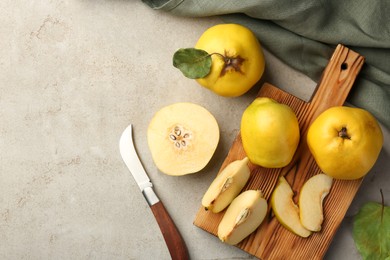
[(74, 74)]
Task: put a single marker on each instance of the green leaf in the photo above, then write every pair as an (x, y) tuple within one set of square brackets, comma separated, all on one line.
[(193, 63), (371, 231)]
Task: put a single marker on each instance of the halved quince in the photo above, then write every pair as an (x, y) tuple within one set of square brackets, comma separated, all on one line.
[(182, 138)]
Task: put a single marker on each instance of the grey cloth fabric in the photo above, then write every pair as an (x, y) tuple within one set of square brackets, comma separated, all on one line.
[(304, 34)]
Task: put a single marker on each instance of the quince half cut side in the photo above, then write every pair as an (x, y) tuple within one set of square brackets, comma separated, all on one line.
[(182, 138)]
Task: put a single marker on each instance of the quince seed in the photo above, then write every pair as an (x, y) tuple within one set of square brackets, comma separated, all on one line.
[(244, 214), (227, 183)]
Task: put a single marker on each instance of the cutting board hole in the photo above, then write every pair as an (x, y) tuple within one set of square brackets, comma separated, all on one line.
[(344, 66)]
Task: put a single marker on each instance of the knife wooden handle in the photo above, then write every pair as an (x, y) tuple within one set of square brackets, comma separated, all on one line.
[(176, 245)]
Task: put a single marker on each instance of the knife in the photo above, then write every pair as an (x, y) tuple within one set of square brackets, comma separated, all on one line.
[(175, 243)]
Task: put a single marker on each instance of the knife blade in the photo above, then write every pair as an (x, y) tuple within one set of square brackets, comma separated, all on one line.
[(175, 243)]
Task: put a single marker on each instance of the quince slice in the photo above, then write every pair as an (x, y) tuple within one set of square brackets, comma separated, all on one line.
[(243, 216), (286, 211), (311, 197), (226, 186)]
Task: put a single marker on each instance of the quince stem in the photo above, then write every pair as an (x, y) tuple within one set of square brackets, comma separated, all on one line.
[(344, 134), (230, 63), (383, 205)]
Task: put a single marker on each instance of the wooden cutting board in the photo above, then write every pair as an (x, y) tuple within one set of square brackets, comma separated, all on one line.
[(271, 240)]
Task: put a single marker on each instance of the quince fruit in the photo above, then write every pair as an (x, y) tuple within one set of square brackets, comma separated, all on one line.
[(345, 142), (237, 59), (269, 132)]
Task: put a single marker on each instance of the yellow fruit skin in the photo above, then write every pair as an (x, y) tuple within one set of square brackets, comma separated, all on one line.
[(341, 158), (231, 40), (269, 132)]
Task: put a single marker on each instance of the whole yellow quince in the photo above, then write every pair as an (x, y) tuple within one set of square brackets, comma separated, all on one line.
[(345, 142), (269, 133), (237, 59)]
